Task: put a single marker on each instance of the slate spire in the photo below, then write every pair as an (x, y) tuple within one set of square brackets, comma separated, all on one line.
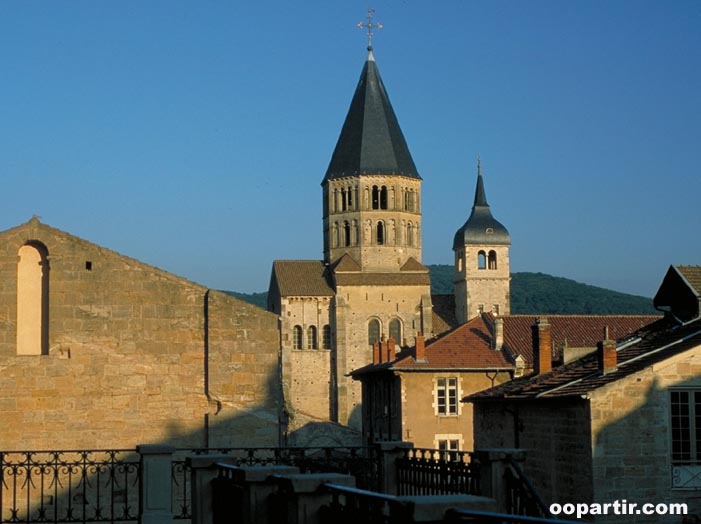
[(481, 227), (371, 141)]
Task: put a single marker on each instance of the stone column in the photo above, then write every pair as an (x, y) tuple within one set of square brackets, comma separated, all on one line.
[(299, 497), (155, 486), (492, 465), (388, 453), (202, 472)]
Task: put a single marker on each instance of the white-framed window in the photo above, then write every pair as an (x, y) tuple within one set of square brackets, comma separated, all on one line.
[(448, 445), (685, 433), (446, 396)]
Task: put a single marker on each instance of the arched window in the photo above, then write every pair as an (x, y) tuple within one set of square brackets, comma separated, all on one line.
[(409, 200), (481, 260), (409, 234), (459, 262), (346, 234), (326, 337), (380, 233), (373, 331), (383, 197), (375, 197), (395, 330), (349, 193), (492, 259), (297, 337), (33, 300), (343, 200), (311, 338)]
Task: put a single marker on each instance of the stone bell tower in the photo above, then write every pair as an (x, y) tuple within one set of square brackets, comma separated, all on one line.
[(482, 276)]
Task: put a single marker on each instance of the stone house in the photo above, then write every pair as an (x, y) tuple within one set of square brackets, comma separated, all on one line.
[(414, 394), (617, 424), (101, 350)]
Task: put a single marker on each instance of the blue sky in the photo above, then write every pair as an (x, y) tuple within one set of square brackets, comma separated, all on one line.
[(194, 135)]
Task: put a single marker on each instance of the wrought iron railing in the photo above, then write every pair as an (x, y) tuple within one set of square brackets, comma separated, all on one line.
[(361, 462), (433, 472), (521, 496), (69, 486)]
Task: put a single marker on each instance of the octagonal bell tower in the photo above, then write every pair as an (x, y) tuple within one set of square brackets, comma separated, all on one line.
[(372, 190)]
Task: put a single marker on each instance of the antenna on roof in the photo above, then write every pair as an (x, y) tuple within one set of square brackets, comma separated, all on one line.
[(370, 25)]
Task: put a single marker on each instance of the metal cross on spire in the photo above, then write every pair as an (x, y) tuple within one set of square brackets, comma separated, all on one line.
[(370, 25)]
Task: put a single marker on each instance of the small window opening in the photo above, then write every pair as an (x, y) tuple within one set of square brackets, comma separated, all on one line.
[(88, 265)]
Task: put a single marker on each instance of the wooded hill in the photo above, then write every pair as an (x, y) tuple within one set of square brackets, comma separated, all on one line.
[(532, 294)]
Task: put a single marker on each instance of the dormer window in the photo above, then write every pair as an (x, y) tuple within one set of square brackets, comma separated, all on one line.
[(489, 231)]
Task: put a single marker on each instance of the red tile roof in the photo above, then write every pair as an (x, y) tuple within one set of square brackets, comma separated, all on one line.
[(654, 344), (467, 347), (574, 330)]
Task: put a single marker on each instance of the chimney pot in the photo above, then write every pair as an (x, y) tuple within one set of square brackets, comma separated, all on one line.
[(420, 351), (542, 347), (606, 354), (498, 333)]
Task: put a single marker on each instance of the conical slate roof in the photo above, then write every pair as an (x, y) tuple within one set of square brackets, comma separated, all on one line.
[(481, 227), (371, 141)]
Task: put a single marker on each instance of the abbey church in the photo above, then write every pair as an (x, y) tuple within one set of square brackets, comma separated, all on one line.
[(89, 337), (371, 285)]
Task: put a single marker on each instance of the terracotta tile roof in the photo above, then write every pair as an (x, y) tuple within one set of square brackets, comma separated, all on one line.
[(302, 278), (575, 330), (692, 274), (467, 347), (443, 313), (656, 343)]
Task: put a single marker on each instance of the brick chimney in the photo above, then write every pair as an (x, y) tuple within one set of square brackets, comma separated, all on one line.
[(498, 333), (606, 354), (376, 355), (420, 351), (390, 349), (542, 347)]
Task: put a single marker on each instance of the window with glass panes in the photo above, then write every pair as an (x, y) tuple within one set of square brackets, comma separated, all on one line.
[(447, 396), (685, 408)]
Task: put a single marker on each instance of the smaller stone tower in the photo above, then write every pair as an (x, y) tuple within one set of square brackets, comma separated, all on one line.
[(481, 278)]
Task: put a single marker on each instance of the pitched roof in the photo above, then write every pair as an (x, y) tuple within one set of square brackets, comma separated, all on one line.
[(481, 227), (302, 278), (468, 347), (692, 274), (413, 265), (371, 141), (656, 343), (572, 330), (346, 263)]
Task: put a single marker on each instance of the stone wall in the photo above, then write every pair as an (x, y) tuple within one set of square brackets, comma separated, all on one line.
[(555, 435), (355, 306), (420, 421), (631, 435), (135, 355)]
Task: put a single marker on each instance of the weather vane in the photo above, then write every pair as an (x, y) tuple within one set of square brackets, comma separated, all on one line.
[(370, 25)]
